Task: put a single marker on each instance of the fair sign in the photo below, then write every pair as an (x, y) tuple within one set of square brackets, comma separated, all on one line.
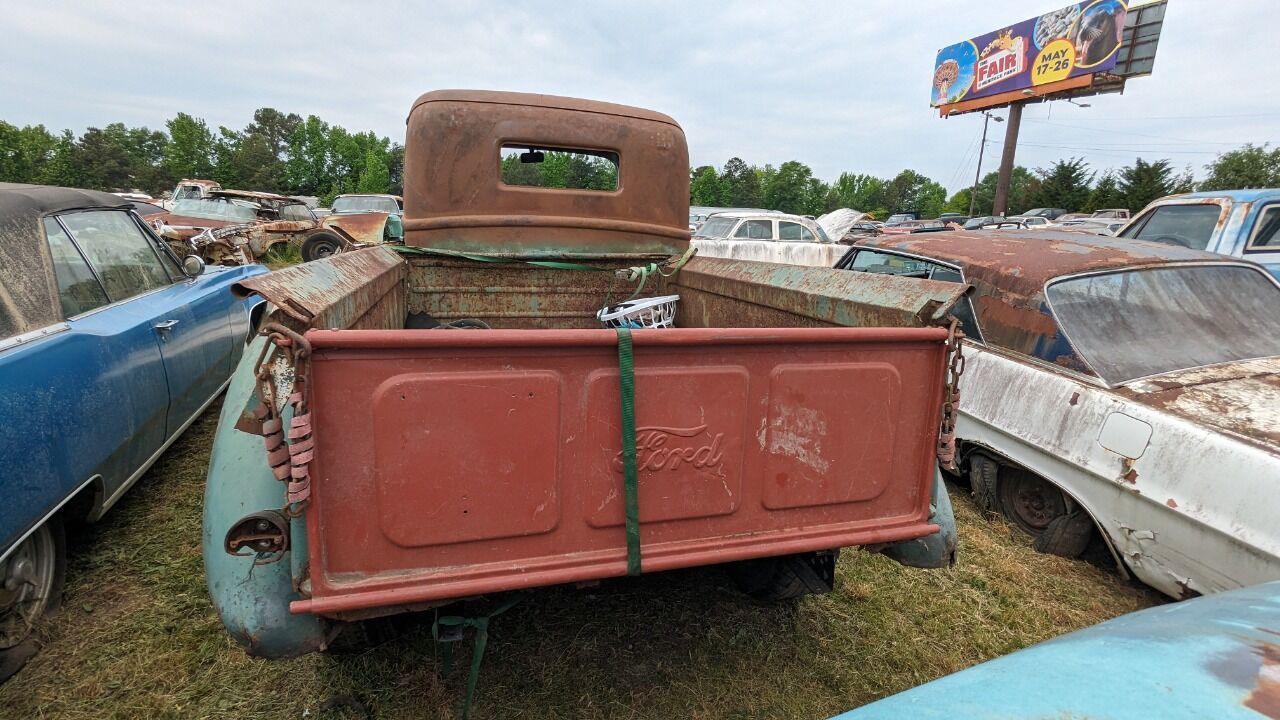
[(1080, 39)]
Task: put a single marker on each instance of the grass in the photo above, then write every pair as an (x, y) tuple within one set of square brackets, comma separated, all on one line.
[(137, 637), (282, 255)]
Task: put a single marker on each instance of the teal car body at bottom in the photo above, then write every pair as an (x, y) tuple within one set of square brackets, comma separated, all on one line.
[(1211, 657)]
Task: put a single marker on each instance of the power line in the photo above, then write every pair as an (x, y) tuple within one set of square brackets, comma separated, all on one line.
[(1112, 131), (1118, 151)]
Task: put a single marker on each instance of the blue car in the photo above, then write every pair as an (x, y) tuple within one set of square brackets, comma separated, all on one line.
[(1213, 657), (110, 346)]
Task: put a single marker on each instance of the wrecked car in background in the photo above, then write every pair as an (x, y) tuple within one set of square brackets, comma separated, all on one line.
[(1127, 386), (766, 236), (358, 203), (1215, 657), (463, 420), (238, 227), (1240, 223), (110, 346)]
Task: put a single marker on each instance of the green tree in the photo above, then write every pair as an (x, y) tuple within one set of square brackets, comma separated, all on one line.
[(190, 150), (395, 168), (24, 152), (788, 189), (1142, 182), (307, 168), (375, 178), (102, 154), (741, 184), (706, 188), (1105, 194), (1065, 184), (62, 168), (860, 192), (1251, 166), (910, 190)]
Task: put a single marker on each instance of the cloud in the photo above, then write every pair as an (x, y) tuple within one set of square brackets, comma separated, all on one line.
[(837, 85)]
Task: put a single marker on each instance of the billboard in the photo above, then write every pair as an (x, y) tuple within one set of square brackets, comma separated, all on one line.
[(1077, 40)]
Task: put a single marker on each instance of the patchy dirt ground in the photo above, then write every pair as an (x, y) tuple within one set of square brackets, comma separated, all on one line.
[(137, 637)]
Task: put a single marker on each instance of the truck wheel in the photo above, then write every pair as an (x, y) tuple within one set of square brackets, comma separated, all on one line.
[(30, 585), (321, 245), (788, 577), (1028, 500), (1066, 535), (982, 482)]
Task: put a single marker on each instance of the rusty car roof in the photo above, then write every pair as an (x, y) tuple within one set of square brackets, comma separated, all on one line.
[(1009, 271), (455, 198), (28, 295), (255, 195)]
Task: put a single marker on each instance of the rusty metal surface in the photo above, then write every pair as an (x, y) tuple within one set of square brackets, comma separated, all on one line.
[(716, 292), (513, 296), (1008, 270), (455, 198), (363, 228), (1240, 398), (488, 460), (336, 292)]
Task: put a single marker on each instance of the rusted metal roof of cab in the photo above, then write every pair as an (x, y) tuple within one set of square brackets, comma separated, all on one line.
[(28, 295), (455, 198), (1009, 271)]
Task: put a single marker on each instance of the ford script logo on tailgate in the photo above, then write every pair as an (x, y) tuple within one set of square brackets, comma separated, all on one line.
[(661, 448)]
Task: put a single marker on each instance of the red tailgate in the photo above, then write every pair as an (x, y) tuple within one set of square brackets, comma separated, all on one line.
[(457, 462)]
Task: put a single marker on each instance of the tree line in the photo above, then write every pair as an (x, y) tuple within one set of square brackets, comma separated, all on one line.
[(277, 152), (1069, 184), (289, 154)]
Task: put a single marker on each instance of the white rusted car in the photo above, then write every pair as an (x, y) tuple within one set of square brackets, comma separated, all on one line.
[(766, 236), (1121, 386)]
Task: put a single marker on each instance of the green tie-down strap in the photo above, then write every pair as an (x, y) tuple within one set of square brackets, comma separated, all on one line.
[(627, 385), (481, 626)]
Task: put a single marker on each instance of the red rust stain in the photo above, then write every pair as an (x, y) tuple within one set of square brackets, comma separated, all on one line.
[(1131, 476), (1171, 503), (1075, 398), (1265, 697)]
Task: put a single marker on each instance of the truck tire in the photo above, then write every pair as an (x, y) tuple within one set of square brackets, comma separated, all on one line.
[(982, 482), (788, 577), (1066, 535), (321, 245), (31, 580)]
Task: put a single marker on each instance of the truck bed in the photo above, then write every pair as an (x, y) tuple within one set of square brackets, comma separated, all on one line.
[(451, 463)]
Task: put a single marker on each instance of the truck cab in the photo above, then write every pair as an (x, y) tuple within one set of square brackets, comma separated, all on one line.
[(1240, 223)]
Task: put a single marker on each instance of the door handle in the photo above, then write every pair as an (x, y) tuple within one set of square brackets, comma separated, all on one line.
[(164, 326)]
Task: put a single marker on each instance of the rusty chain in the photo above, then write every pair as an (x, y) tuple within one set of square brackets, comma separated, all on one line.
[(951, 396), (289, 458)]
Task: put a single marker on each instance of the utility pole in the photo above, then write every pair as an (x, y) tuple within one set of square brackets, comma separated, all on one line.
[(1006, 160), (977, 174)]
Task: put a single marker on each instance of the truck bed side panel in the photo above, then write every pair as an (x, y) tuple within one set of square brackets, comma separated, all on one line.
[(457, 462)]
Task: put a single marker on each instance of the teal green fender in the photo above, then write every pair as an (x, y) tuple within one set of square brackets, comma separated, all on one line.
[(939, 549), (395, 228), (252, 602)]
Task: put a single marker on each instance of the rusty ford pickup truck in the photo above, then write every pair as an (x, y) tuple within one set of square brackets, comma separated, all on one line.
[(450, 419)]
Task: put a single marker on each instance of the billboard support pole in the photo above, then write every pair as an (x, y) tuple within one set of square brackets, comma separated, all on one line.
[(1006, 160)]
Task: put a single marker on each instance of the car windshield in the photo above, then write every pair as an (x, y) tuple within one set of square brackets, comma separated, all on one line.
[(365, 203), (215, 210), (1186, 225), (899, 218), (1137, 323), (717, 227)]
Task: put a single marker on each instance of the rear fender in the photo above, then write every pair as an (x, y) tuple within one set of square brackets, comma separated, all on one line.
[(252, 601), (932, 551)]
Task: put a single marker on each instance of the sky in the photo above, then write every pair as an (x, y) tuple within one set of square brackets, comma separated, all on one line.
[(839, 86)]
